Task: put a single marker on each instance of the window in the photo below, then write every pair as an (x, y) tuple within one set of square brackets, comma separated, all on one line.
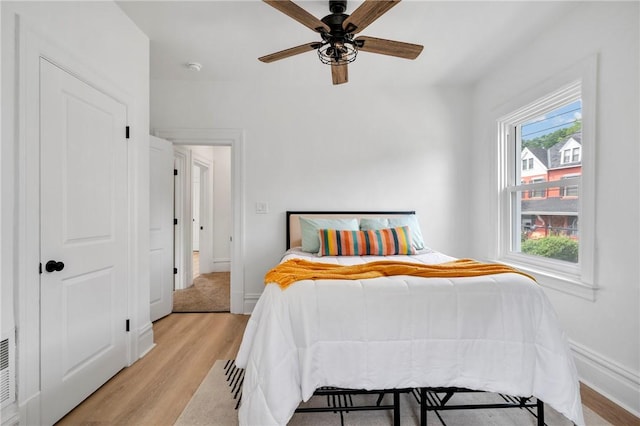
[(569, 191), (553, 129), (527, 164), (542, 218), (575, 156), (540, 193), (570, 155)]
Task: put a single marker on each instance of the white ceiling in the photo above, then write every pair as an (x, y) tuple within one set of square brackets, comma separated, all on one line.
[(461, 39)]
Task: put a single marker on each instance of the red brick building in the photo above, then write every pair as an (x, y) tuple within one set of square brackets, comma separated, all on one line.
[(552, 211)]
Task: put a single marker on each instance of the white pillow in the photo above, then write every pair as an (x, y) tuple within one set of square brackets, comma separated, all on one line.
[(373, 223), (309, 228)]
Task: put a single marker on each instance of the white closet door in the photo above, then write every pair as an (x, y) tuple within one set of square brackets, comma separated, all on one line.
[(84, 250)]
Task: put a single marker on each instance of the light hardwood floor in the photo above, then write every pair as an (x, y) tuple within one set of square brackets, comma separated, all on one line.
[(609, 411), (155, 390)]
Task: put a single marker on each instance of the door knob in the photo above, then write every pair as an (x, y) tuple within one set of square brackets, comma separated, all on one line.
[(52, 265)]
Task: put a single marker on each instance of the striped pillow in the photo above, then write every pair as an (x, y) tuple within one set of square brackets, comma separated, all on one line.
[(377, 242)]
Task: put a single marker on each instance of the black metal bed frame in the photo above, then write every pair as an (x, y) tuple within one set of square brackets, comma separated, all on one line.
[(435, 403), (339, 400)]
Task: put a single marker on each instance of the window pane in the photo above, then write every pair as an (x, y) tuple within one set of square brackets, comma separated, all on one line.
[(548, 226), (546, 219)]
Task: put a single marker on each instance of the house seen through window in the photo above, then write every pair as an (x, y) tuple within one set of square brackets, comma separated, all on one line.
[(549, 215)]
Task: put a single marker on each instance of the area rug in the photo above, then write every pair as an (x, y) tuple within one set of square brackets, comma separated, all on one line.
[(216, 400), (209, 293)]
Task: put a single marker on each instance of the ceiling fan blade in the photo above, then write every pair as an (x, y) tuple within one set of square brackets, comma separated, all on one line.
[(294, 11), (388, 47), (339, 73), (368, 12), (290, 52)]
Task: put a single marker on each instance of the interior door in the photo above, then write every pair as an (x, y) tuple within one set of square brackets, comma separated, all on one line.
[(195, 209), (161, 227), (83, 231), (182, 214)]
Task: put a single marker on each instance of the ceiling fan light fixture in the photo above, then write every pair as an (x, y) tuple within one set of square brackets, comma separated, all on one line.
[(338, 52)]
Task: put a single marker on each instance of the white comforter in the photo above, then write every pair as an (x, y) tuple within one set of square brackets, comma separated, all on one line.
[(496, 333)]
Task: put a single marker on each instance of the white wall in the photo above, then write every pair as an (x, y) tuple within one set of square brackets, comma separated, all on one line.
[(221, 208), (336, 148), (605, 333), (101, 41)]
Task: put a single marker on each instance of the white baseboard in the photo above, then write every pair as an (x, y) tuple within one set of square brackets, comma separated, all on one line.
[(145, 339), (10, 415), (250, 300), (610, 379), (30, 410), (221, 265)]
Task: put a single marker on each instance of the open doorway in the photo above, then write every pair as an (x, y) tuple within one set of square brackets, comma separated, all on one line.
[(234, 140), (203, 236)]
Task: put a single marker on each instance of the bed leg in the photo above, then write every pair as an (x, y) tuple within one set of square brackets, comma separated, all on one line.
[(423, 406), (396, 408), (540, 407)]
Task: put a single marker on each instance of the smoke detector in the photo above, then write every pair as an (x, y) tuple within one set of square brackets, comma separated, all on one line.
[(194, 66)]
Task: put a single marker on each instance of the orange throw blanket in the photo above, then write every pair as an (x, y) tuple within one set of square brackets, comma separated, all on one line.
[(294, 270)]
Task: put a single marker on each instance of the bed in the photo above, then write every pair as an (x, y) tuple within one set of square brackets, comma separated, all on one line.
[(491, 332)]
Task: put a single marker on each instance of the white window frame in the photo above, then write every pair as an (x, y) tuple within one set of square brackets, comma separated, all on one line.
[(576, 83)]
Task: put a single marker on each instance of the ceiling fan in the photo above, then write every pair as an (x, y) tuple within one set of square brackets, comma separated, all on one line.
[(338, 46)]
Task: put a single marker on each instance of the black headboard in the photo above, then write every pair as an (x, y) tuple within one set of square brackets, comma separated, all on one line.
[(294, 214)]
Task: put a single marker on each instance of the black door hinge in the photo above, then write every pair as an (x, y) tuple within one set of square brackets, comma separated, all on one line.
[(40, 269), (175, 221), (175, 172), (127, 132), (127, 326), (175, 270)]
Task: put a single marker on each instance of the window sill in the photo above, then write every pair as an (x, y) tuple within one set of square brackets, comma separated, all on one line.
[(556, 281)]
